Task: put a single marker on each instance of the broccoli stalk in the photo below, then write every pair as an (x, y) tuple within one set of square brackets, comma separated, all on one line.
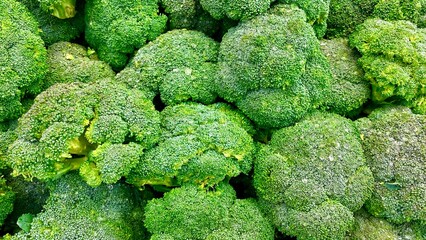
[(61, 9)]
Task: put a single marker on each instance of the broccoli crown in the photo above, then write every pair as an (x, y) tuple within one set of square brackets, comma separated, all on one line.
[(394, 61), (409, 10), (61, 9), (313, 176), (349, 89), (116, 28), (272, 68), (7, 136), (316, 13), (70, 62), (100, 128), (22, 58), (345, 15), (75, 210), (189, 14), (234, 9), (394, 141), (180, 65), (192, 213), (199, 144), (7, 196), (54, 29)]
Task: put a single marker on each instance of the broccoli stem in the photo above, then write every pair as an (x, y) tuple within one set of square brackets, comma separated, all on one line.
[(69, 165), (63, 9)]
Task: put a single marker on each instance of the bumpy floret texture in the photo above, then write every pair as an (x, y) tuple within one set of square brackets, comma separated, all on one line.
[(71, 62), (349, 89), (84, 126), (61, 9), (394, 61), (272, 68), (316, 13), (394, 140), (75, 210), (7, 196), (199, 144), (54, 29), (409, 10), (312, 176), (22, 58), (117, 28), (192, 213), (7, 136), (189, 14), (235, 9), (180, 65)]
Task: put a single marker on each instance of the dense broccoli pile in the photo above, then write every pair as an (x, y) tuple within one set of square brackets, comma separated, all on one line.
[(213, 119)]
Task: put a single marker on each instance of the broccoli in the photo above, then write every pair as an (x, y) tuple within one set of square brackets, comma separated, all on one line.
[(398, 10), (394, 141), (234, 9), (199, 144), (22, 58), (100, 128), (312, 176), (189, 14), (75, 210), (394, 61), (61, 9), (180, 65), (7, 136), (316, 13), (70, 62), (54, 29), (273, 69), (192, 213), (116, 28), (7, 196), (349, 89)]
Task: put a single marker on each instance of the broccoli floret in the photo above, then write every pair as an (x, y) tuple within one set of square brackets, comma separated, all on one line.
[(191, 213), (70, 62), (87, 127), (116, 28), (189, 14), (398, 10), (22, 58), (349, 89), (7, 137), (200, 144), (394, 61), (316, 13), (235, 9), (29, 199), (7, 196), (394, 141), (75, 210), (273, 69), (54, 29), (180, 65), (61, 9), (312, 176)]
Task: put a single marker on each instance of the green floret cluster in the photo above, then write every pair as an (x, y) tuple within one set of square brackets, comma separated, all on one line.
[(213, 120)]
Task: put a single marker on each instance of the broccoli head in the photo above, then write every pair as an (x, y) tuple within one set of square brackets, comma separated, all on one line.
[(409, 10), (273, 69), (349, 89), (180, 65), (199, 144), (7, 137), (75, 210), (54, 29), (316, 13), (189, 14), (70, 62), (234, 9), (116, 28), (394, 61), (312, 176), (22, 58), (7, 196), (192, 213), (394, 141), (100, 128), (61, 9)]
